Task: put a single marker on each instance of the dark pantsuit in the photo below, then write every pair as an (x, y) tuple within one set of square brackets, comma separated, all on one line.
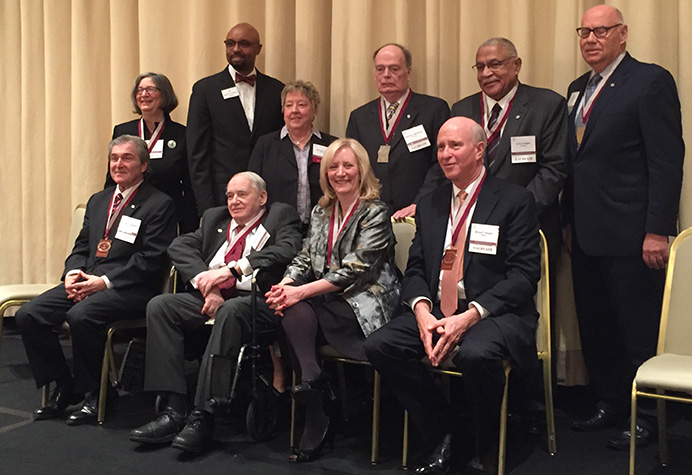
[(88, 321)]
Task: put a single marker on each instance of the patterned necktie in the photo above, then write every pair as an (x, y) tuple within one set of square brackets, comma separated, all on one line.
[(391, 110), (235, 253), (449, 295), (591, 87), (247, 79), (116, 202), (494, 142)]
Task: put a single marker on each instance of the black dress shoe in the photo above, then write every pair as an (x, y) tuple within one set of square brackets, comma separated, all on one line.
[(197, 434), (310, 390), (88, 413), (642, 438), (162, 430), (60, 400), (601, 419), (440, 461)]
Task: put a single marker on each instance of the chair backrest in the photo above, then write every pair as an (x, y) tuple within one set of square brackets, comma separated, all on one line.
[(404, 230), (676, 316), (543, 301), (75, 226)]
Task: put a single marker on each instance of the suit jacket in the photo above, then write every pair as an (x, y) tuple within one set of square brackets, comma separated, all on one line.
[(191, 253), (219, 140), (626, 176), (169, 173), (505, 283), (405, 178), (140, 267), (541, 113), (362, 262), (275, 161)]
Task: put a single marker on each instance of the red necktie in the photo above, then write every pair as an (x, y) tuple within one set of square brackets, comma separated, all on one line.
[(116, 202), (248, 79), (449, 295), (235, 253)]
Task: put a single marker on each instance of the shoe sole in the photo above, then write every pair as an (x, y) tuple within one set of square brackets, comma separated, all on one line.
[(188, 448), (148, 440)]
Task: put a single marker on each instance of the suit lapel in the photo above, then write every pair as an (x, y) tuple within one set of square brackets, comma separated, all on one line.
[(234, 107), (439, 221), (260, 100), (487, 199), (514, 119), (286, 150), (407, 118)]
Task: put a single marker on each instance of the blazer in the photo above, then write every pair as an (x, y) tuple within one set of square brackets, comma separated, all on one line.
[(626, 176), (540, 113), (405, 178), (275, 161), (191, 253), (169, 173), (362, 262), (219, 140), (504, 283), (140, 267)]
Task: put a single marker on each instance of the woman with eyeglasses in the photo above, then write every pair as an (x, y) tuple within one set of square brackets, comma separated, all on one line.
[(153, 99)]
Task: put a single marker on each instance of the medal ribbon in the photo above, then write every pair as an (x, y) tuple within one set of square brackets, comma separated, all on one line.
[(244, 235), (588, 107), (154, 137), (112, 218), (500, 120), (388, 138), (467, 205), (331, 239)]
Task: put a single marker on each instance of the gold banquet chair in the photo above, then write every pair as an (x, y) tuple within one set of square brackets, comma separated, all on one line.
[(404, 230), (544, 355), (18, 294), (668, 375)]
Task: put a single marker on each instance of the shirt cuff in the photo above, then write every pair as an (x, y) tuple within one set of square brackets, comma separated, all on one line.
[(193, 281), (483, 311), (245, 266), (412, 303), (109, 284), (72, 272)]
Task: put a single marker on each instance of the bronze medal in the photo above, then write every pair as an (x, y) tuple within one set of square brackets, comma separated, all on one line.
[(103, 247), (448, 259), (383, 154), (580, 133)]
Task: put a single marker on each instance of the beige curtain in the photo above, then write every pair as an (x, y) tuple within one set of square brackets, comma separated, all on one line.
[(68, 66)]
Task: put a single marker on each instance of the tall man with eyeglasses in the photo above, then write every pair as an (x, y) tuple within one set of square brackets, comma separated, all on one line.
[(399, 131), (228, 112), (621, 202)]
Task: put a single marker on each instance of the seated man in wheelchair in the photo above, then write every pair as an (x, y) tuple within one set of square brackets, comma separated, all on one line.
[(218, 261)]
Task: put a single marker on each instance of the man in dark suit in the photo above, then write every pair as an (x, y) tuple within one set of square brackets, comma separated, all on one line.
[(622, 204), (487, 227), (117, 264), (399, 130), (528, 134), (218, 261), (228, 112)]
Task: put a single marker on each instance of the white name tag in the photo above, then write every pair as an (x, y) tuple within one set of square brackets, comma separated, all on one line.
[(524, 149), (416, 138), (572, 101), (483, 238), (157, 151), (318, 152), (230, 92), (128, 229)]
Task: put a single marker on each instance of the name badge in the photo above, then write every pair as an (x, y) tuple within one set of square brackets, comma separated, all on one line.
[(524, 149), (157, 151), (383, 154), (572, 101), (318, 152), (416, 138), (128, 229), (483, 238), (230, 92)]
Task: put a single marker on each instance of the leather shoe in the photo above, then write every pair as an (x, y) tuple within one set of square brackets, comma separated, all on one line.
[(477, 467), (197, 434), (440, 461), (89, 410), (642, 438), (161, 430), (60, 400), (601, 419)]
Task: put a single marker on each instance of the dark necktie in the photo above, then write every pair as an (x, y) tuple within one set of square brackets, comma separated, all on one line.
[(116, 202), (391, 109), (495, 138), (235, 253), (247, 79), (591, 87)]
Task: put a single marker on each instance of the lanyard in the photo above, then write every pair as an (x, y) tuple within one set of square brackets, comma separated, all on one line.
[(331, 239), (113, 217), (500, 120), (388, 138), (244, 235), (467, 208), (154, 137), (587, 107)]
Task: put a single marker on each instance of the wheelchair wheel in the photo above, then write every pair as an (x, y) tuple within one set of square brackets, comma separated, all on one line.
[(262, 416)]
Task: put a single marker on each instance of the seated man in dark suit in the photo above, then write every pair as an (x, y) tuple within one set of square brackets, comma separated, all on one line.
[(218, 261), (488, 228), (117, 264)]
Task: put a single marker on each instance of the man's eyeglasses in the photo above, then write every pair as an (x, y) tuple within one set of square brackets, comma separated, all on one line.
[(242, 44), (598, 32), (493, 65), (151, 90)]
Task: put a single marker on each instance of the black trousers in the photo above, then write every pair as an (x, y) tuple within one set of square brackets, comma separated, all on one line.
[(395, 350), (88, 322), (618, 301), (171, 316)]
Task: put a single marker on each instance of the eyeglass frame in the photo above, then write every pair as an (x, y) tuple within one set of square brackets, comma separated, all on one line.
[(149, 89), (494, 65), (242, 44), (605, 29)]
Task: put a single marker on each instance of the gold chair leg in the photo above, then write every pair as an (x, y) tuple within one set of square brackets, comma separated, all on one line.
[(549, 407), (105, 374), (404, 452), (375, 449), (633, 427), (662, 432), (503, 425)]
